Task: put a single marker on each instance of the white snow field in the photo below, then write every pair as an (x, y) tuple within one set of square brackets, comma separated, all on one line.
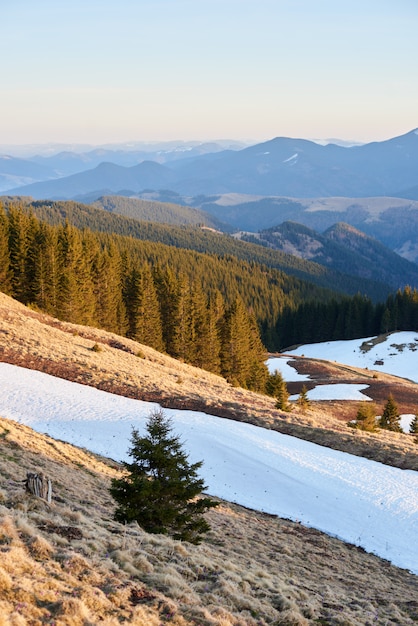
[(357, 500), (288, 372), (397, 355), (337, 391)]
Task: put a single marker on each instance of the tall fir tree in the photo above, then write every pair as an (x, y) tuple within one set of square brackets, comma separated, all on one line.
[(21, 229), (169, 301), (143, 311), (207, 345), (258, 374), (183, 344), (242, 353), (110, 311), (43, 269), (76, 301), (5, 272)]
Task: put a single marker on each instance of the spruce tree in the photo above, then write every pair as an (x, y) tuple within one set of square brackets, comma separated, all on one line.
[(5, 284), (276, 387), (242, 353), (76, 297), (366, 417), (303, 400), (168, 292), (234, 344), (143, 310), (390, 419), (106, 271), (160, 489), (204, 344), (413, 428), (258, 373), (43, 269), (20, 230)]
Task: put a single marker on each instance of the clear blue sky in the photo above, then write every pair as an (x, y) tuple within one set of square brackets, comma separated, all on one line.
[(102, 71)]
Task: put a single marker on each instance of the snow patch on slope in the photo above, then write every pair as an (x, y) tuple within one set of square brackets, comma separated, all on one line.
[(355, 499), (395, 354), (292, 158)]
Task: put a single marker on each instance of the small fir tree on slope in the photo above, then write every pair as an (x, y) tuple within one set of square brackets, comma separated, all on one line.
[(391, 419), (161, 487), (413, 428), (303, 400), (277, 388), (366, 417)]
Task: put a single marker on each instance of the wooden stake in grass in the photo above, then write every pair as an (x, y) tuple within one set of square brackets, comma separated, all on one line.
[(39, 485)]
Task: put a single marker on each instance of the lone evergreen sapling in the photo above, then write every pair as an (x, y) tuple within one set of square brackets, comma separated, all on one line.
[(303, 400), (391, 419), (276, 387), (160, 489), (413, 429), (366, 417)]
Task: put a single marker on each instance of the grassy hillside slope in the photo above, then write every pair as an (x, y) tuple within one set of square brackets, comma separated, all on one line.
[(70, 564)]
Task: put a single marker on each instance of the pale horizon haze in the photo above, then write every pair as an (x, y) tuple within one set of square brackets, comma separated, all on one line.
[(90, 71)]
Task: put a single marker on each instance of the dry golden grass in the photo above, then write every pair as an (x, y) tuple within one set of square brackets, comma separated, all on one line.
[(69, 563)]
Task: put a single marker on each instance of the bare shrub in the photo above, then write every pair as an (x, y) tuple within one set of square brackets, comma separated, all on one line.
[(40, 548), (292, 618), (6, 583)]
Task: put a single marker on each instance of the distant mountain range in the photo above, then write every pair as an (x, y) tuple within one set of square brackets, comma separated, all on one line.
[(279, 167), (39, 163)]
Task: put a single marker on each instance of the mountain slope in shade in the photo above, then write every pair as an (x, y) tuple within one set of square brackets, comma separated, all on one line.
[(150, 211), (15, 171), (68, 161), (106, 176), (411, 193), (304, 169), (345, 249)]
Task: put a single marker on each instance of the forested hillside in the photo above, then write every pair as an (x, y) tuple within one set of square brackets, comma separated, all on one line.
[(202, 240), (152, 211), (347, 318)]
